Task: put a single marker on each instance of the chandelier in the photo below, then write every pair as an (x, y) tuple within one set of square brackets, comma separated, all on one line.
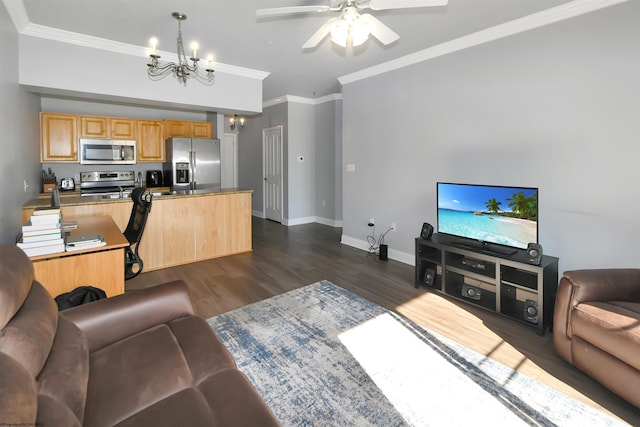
[(183, 69)]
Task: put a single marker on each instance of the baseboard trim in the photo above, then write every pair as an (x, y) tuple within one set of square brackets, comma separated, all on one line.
[(394, 254), (299, 221)]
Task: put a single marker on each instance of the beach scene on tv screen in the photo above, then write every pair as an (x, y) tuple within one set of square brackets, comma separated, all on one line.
[(502, 215)]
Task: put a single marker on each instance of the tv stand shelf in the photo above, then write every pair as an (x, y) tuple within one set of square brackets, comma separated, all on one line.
[(505, 282)]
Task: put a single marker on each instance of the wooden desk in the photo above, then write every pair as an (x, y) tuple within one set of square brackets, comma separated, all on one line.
[(101, 267)]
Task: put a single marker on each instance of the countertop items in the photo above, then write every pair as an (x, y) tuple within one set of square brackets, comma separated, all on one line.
[(77, 200)]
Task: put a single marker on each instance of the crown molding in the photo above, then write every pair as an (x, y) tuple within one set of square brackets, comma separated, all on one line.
[(63, 36), (302, 100), (549, 16), (18, 13)]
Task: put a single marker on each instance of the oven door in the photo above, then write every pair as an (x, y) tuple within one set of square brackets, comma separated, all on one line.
[(107, 152)]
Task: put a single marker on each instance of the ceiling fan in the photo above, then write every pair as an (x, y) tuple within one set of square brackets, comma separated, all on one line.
[(351, 24)]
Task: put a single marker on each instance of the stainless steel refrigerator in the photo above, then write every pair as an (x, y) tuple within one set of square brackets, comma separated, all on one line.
[(192, 164)]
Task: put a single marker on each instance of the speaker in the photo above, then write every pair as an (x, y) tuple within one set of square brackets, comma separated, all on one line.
[(427, 231), (534, 253), (429, 277), (531, 311), (471, 292), (508, 303), (383, 252)]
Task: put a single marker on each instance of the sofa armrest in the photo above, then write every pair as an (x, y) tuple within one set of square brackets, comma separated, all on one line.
[(109, 320), (578, 286), (621, 284)]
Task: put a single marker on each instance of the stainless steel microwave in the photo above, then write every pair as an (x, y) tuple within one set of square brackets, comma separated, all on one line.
[(107, 152)]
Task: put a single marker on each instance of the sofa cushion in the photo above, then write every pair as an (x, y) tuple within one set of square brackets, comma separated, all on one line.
[(185, 408), (613, 327), (132, 374), (234, 401), (204, 351), (63, 380)]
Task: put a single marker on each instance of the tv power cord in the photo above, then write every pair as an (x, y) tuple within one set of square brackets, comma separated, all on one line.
[(374, 244)]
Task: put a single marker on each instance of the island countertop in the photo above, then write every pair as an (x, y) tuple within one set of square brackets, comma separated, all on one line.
[(77, 200), (182, 227)]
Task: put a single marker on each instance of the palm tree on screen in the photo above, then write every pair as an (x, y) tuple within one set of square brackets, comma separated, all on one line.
[(493, 206)]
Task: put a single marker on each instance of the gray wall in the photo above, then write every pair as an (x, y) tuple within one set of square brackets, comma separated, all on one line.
[(556, 108), (301, 175), (19, 142), (313, 131), (328, 151)]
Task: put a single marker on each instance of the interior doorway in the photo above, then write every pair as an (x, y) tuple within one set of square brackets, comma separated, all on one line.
[(272, 172)]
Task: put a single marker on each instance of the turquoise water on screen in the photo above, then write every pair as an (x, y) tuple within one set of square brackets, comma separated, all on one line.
[(487, 227)]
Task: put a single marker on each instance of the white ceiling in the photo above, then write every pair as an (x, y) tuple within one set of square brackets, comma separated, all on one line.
[(232, 33)]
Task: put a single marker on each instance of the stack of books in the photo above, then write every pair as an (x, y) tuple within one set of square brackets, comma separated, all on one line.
[(42, 235)]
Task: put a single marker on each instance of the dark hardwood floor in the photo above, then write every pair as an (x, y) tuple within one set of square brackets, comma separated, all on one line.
[(287, 258)]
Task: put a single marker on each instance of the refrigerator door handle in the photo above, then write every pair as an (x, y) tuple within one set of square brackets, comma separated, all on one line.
[(192, 160)]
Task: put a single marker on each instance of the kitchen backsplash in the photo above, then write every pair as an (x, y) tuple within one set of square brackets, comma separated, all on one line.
[(72, 170)]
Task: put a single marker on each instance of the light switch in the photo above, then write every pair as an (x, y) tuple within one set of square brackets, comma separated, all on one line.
[(351, 167)]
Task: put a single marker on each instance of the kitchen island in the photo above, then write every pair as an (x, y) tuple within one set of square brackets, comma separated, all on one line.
[(182, 227)]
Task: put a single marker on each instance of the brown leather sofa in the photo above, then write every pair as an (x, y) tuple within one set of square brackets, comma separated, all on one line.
[(597, 327), (139, 359)]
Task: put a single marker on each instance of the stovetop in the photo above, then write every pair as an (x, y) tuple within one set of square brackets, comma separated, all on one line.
[(109, 183)]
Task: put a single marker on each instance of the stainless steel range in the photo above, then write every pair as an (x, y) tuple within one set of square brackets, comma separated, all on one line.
[(117, 184)]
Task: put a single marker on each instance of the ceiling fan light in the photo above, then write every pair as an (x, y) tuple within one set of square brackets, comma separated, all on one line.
[(340, 33), (359, 33)]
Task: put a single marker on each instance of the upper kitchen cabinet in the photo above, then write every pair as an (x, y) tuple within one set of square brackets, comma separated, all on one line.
[(107, 127), (123, 128), (187, 129), (58, 138), (201, 130), (150, 141)]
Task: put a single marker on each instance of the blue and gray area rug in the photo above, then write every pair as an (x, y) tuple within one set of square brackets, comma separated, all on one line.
[(323, 356)]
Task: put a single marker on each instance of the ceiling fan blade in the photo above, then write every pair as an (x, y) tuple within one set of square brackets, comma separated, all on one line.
[(400, 4), (319, 35), (274, 11), (378, 30)]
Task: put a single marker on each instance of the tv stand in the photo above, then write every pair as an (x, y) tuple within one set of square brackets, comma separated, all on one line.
[(486, 248), (506, 284)]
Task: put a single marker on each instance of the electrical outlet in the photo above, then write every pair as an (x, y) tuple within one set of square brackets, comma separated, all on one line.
[(393, 226)]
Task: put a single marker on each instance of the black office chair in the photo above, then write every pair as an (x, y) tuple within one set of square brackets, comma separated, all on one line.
[(141, 207)]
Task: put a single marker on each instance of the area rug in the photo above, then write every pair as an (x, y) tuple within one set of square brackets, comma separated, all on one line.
[(323, 356)]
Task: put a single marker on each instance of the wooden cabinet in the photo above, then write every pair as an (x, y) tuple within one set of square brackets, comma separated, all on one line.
[(222, 225), (187, 129), (201, 130), (94, 127), (123, 128), (58, 138), (182, 229), (150, 141), (107, 127)]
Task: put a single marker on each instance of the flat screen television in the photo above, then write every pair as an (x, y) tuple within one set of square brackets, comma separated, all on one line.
[(494, 218)]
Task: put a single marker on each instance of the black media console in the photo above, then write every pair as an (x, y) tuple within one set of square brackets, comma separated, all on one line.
[(506, 284)]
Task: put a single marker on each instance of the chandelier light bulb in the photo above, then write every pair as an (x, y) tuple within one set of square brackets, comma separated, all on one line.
[(210, 62), (153, 42), (194, 47)]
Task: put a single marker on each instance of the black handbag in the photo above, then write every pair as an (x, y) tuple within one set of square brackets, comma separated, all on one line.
[(78, 296)]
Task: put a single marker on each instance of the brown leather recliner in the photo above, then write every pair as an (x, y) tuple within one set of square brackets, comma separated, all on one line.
[(597, 327), (139, 359)]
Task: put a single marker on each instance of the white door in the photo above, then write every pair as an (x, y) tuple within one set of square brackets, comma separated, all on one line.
[(229, 160), (272, 172)]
